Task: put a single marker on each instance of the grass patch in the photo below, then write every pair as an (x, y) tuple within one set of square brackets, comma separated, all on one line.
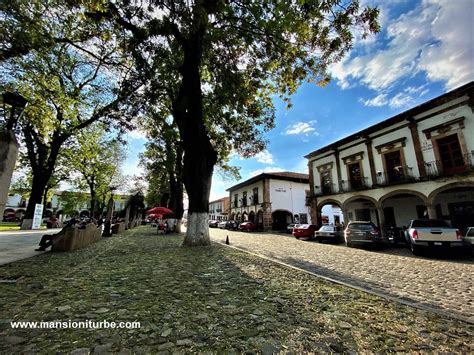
[(202, 299)]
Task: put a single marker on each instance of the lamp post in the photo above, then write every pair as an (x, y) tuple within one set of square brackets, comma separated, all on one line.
[(12, 107)]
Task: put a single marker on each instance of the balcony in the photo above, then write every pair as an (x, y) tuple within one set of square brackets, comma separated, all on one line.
[(327, 189), (398, 175), (355, 185), (461, 165)]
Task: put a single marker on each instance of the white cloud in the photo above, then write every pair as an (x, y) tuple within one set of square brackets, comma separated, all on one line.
[(301, 128), (400, 100), (265, 157), (377, 101), (268, 169), (434, 38)]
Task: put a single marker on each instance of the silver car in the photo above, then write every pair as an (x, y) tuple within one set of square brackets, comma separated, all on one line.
[(333, 233)]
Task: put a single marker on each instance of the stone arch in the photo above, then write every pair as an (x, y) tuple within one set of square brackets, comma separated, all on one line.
[(232, 216), (432, 196), (251, 216), (359, 197), (280, 219), (401, 192), (245, 216), (238, 216), (329, 201)]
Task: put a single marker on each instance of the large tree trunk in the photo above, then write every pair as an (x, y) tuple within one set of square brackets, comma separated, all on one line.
[(199, 154), (40, 180), (93, 200)]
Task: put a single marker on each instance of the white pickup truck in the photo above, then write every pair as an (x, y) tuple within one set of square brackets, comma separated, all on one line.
[(431, 232)]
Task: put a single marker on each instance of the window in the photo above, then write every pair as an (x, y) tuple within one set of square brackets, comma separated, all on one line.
[(303, 218), (326, 181), (236, 200), (255, 196), (244, 198), (355, 176), (450, 154), (393, 164)]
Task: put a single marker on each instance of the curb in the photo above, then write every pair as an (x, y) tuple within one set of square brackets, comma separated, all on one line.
[(404, 301)]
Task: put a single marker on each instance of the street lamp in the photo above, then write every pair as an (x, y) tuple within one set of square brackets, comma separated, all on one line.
[(16, 104), (12, 107)]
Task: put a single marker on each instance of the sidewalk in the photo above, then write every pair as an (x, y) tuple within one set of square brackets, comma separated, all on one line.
[(18, 245)]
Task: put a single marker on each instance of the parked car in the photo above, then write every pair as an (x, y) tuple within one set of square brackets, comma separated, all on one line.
[(468, 238), (329, 233), (362, 232), (10, 217), (213, 224), (431, 233), (305, 231), (221, 225), (248, 226), (289, 228), (232, 225)]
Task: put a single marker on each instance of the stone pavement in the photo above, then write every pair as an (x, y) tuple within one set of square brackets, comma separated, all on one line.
[(18, 245), (440, 284)]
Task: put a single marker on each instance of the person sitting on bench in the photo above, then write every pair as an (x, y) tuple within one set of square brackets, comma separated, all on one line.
[(48, 239)]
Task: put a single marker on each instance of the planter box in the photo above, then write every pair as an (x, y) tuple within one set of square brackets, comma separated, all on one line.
[(118, 228), (74, 238)]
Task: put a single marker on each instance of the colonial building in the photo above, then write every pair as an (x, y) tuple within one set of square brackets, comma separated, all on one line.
[(413, 165), (17, 205), (219, 209), (272, 200)]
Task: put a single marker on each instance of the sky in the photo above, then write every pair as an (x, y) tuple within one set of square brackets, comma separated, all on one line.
[(425, 48)]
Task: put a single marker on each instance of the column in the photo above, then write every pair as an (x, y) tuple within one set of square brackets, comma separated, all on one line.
[(338, 170), (381, 220), (418, 153), (8, 154), (370, 155), (431, 211)]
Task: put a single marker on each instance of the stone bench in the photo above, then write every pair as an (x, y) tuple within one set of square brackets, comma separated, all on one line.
[(75, 238)]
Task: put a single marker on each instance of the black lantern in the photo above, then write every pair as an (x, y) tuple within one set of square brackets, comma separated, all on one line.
[(15, 104)]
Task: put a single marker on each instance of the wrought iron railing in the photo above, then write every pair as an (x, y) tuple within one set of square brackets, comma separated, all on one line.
[(463, 164), (324, 190), (398, 175), (355, 185)]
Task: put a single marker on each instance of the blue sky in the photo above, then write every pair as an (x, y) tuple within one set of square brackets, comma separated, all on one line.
[(425, 48)]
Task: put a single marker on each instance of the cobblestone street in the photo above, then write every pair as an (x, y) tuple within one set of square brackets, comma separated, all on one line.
[(444, 284)]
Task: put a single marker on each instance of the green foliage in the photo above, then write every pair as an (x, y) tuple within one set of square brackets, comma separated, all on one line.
[(97, 157), (71, 201), (247, 53)]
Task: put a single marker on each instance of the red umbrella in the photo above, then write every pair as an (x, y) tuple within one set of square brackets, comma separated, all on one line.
[(159, 210)]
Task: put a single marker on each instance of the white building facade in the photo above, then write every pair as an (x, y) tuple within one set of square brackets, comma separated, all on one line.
[(16, 204), (219, 209), (272, 200), (417, 164)]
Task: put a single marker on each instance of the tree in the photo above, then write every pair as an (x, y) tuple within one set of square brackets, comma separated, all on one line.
[(221, 62), (163, 160), (71, 201), (67, 90), (98, 159)]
